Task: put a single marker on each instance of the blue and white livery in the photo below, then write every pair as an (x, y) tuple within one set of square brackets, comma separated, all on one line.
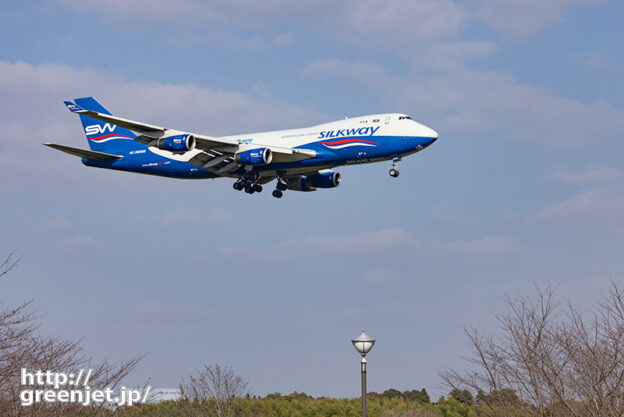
[(299, 159)]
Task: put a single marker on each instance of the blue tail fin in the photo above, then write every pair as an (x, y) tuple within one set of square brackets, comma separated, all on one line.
[(102, 136)]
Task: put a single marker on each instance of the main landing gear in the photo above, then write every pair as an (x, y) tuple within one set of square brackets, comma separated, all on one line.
[(394, 171), (279, 189), (248, 183)]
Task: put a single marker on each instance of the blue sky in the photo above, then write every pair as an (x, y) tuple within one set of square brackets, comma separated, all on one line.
[(524, 185)]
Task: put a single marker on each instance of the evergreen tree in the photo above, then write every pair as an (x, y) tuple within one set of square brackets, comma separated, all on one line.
[(391, 393), (463, 396)]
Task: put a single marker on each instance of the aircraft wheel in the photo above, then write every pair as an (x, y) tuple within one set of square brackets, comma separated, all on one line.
[(394, 172), (237, 186), (281, 186), (249, 189), (257, 188), (277, 194)]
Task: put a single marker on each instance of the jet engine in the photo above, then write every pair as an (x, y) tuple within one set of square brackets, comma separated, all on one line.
[(176, 143), (328, 179), (260, 156)]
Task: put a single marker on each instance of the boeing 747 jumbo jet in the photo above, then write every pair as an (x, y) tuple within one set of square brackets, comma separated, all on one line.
[(300, 159)]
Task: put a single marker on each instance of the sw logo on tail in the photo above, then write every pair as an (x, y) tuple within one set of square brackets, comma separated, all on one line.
[(299, 159), (95, 129)]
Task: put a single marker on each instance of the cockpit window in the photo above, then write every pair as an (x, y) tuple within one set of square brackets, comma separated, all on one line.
[(405, 117)]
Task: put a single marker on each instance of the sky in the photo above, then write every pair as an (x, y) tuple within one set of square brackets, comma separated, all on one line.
[(524, 186)]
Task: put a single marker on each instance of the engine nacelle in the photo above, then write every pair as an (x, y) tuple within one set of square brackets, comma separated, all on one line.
[(299, 183), (328, 179), (176, 143), (260, 156)]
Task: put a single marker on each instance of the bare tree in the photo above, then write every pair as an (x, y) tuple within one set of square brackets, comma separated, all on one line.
[(22, 347), (549, 359), (213, 389), (9, 263)]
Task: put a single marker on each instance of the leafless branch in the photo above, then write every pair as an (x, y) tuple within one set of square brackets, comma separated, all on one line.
[(549, 359), (213, 389)]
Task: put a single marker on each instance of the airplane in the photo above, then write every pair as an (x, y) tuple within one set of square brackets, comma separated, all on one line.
[(300, 159)]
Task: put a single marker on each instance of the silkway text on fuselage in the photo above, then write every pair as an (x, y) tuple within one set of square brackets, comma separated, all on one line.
[(362, 131)]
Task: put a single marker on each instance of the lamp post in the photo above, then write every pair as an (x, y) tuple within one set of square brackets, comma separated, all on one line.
[(363, 344)]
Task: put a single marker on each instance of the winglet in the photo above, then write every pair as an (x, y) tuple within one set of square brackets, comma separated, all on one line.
[(74, 108)]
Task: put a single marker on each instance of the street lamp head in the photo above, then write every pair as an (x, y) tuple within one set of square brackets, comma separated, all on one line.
[(363, 343)]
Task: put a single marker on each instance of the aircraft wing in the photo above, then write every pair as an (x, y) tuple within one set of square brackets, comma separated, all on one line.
[(218, 154)]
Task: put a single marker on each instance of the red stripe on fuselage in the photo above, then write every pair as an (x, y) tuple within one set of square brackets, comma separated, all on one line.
[(340, 142)]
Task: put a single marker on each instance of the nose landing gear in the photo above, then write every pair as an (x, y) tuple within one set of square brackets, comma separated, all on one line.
[(394, 171)]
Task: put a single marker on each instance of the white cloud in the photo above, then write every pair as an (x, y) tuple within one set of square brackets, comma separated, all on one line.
[(171, 10), (394, 23), (520, 19), (483, 247), (603, 203), (218, 215), (57, 224), (449, 56), (595, 174), (596, 61), (225, 40), (183, 216), (214, 11), (352, 69), (356, 245), (78, 243), (403, 22), (443, 212), (180, 216), (380, 240), (385, 244)]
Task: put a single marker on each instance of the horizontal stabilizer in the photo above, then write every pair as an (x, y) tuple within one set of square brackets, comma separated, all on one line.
[(84, 153)]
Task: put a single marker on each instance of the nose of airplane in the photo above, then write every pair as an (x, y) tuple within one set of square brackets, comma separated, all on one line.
[(431, 134)]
